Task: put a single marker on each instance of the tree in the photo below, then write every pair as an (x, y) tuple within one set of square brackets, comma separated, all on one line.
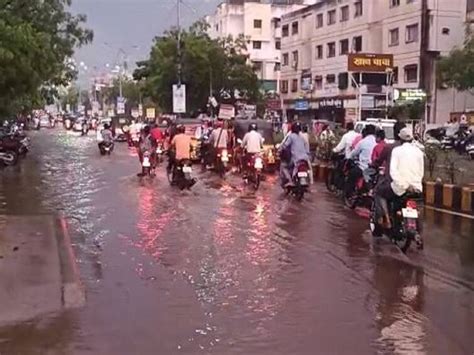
[(206, 63), (37, 37), (71, 98), (457, 69), (131, 90)]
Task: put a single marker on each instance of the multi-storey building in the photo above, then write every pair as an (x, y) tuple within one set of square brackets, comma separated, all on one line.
[(316, 41), (259, 22)]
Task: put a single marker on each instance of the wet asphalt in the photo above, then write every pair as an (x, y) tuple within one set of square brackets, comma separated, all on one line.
[(223, 270)]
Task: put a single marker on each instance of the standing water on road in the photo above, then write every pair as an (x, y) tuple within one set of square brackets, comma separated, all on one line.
[(220, 271)]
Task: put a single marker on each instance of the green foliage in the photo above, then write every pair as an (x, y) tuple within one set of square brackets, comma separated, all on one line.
[(205, 62), (36, 39), (457, 69), (432, 153), (410, 111)]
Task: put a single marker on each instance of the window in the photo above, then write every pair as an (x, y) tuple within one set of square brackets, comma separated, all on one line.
[(331, 17), (295, 59), (257, 67), (294, 28), (393, 37), (445, 31), (319, 52), (284, 86), (411, 73), (285, 59), (257, 45), (395, 75), (357, 44), (358, 8), (343, 46), (217, 28), (331, 49), (257, 23), (318, 82), (278, 45), (330, 78), (284, 31), (343, 81), (394, 3), (277, 67), (410, 1), (345, 13), (412, 33), (294, 85), (277, 23), (319, 20)]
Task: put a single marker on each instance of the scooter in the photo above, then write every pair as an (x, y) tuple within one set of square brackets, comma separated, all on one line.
[(160, 152), (222, 162), (106, 148), (301, 179), (146, 165)]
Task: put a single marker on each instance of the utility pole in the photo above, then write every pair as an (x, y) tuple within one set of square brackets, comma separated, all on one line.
[(179, 40)]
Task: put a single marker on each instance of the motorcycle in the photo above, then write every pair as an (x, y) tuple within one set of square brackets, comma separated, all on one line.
[(146, 165), (301, 180), (67, 124), (181, 175), (222, 162), (253, 173), (85, 129), (363, 193), (8, 158), (160, 152), (470, 147), (336, 175), (404, 226), (106, 148)]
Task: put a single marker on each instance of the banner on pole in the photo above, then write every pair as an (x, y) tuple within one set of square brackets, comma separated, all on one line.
[(226, 111), (150, 113), (179, 98)]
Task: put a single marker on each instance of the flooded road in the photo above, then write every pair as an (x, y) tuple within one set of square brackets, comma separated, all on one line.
[(219, 270)]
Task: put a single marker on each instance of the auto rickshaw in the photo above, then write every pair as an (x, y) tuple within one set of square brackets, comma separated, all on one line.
[(265, 128)]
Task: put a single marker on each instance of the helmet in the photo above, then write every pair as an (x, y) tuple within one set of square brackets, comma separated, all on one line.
[(253, 127), (146, 129), (296, 127), (181, 128), (106, 126)]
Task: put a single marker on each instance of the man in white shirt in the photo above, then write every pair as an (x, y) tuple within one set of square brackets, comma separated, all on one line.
[(253, 141), (346, 141), (406, 171)]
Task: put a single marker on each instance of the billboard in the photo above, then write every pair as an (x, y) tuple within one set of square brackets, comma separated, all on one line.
[(373, 63), (179, 98)]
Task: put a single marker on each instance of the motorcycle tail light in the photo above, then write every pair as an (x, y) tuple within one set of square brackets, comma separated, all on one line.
[(302, 167), (411, 204)]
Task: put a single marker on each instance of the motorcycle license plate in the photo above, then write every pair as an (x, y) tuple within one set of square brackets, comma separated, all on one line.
[(409, 213), (302, 174), (159, 151), (258, 164), (225, 158), (187, 169), (146, 163)]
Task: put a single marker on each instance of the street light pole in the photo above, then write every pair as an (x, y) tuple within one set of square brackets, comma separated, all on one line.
[(179, 40)]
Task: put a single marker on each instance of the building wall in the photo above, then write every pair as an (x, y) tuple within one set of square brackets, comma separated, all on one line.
[(446, 30)]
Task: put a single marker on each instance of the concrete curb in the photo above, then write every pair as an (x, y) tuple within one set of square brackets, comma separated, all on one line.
[(73, 290), (442, 197)]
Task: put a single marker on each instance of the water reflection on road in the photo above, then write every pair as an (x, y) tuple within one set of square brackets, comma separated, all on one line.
[(221, 270)]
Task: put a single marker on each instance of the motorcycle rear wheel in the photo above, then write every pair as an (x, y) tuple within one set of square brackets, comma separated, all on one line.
[(330, 185), (256, 182), (404, 243)]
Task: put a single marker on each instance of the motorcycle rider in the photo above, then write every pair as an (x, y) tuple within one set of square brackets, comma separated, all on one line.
[(181, 147), (252, 144), (406, 172), (147, 144), (345, 144), (219, 138), (292, 150), (106, 136), (362, 151)]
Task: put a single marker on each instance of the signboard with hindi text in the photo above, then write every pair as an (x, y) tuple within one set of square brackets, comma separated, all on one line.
[(363, 62)]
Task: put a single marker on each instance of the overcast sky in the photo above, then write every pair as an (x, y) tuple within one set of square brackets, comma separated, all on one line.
[(131, 25)]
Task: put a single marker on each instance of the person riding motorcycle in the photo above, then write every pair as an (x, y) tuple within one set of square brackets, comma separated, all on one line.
[(292, 150), (219, 139), (147, 144), (180, 147), (252, 144), (363, 153), (406, 172), (345, 144), (106, 137)]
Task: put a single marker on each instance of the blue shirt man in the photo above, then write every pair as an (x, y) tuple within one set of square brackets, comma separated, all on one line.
[(297, 147)]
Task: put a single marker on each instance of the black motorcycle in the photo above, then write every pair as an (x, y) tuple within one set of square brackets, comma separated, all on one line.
[(253, 170), (181, 175), (336, 174), (363, 191), (404, 225), (106, 148), (300, 181)]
